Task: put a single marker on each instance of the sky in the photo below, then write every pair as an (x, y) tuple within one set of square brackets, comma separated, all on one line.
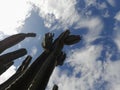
[(91, 64)]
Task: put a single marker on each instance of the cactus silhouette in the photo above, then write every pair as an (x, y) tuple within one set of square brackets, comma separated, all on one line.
[(36, 76), (13, 40), (18, 73), (55, 87), (6, 58), (3, 68)]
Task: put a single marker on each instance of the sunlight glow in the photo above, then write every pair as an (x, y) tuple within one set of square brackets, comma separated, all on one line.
[(13, 14)]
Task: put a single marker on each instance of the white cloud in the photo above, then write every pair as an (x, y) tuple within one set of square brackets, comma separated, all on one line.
[(117, 30), (82, 61), (33, 51), (93, 72), (63, 14), (62, 11), (111, 2), (117, 16), (111, 73), (117, 39), (94, 26), (7, 74), (12, 15), (90, 2)]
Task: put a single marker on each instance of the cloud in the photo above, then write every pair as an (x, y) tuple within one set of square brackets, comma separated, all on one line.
[(62, 12), (90, 2), (112, 75), (117, 16), (33, 51), (117, 29), (117, 39), (12, 15), (111, 2), (94, 26), (88, 71), (83, 61), (7, 74)]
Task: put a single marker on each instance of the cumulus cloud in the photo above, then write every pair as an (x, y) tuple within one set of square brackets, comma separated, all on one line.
[(52, 11), (63, 14), (7, 74)]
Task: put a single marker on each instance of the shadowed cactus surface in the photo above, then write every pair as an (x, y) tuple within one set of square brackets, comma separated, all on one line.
[(35, 76)]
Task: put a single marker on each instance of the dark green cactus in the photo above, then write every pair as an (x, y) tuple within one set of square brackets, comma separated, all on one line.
[(42, 77), (61, 59), (25, 64), (9, 57), (13, 40), (37, 76), (18, 73), (48, 40), (72, 39)]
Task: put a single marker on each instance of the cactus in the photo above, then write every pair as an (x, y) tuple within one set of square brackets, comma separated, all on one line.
[(13, 40), (25, 64), (3, 68), (7, 58), (37, 75), (18, 73), (55, 87)]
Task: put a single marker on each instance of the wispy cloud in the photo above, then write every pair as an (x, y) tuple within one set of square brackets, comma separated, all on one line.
[(117, 29), (83, 61), (94, 26), (64, 14), (111, 2), (117, 16), (117, 39), (90, 2), (89, 72)]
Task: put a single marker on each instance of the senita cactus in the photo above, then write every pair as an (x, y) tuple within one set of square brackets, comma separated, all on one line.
[(18, 73), (37, 75)]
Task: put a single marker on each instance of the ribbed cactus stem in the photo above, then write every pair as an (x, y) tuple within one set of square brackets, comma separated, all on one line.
[(13, 40), (18, 73), (25, 64), (42, 77), (9, 57)]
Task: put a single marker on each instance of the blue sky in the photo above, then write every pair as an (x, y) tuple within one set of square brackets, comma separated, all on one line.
[(93, 63)]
